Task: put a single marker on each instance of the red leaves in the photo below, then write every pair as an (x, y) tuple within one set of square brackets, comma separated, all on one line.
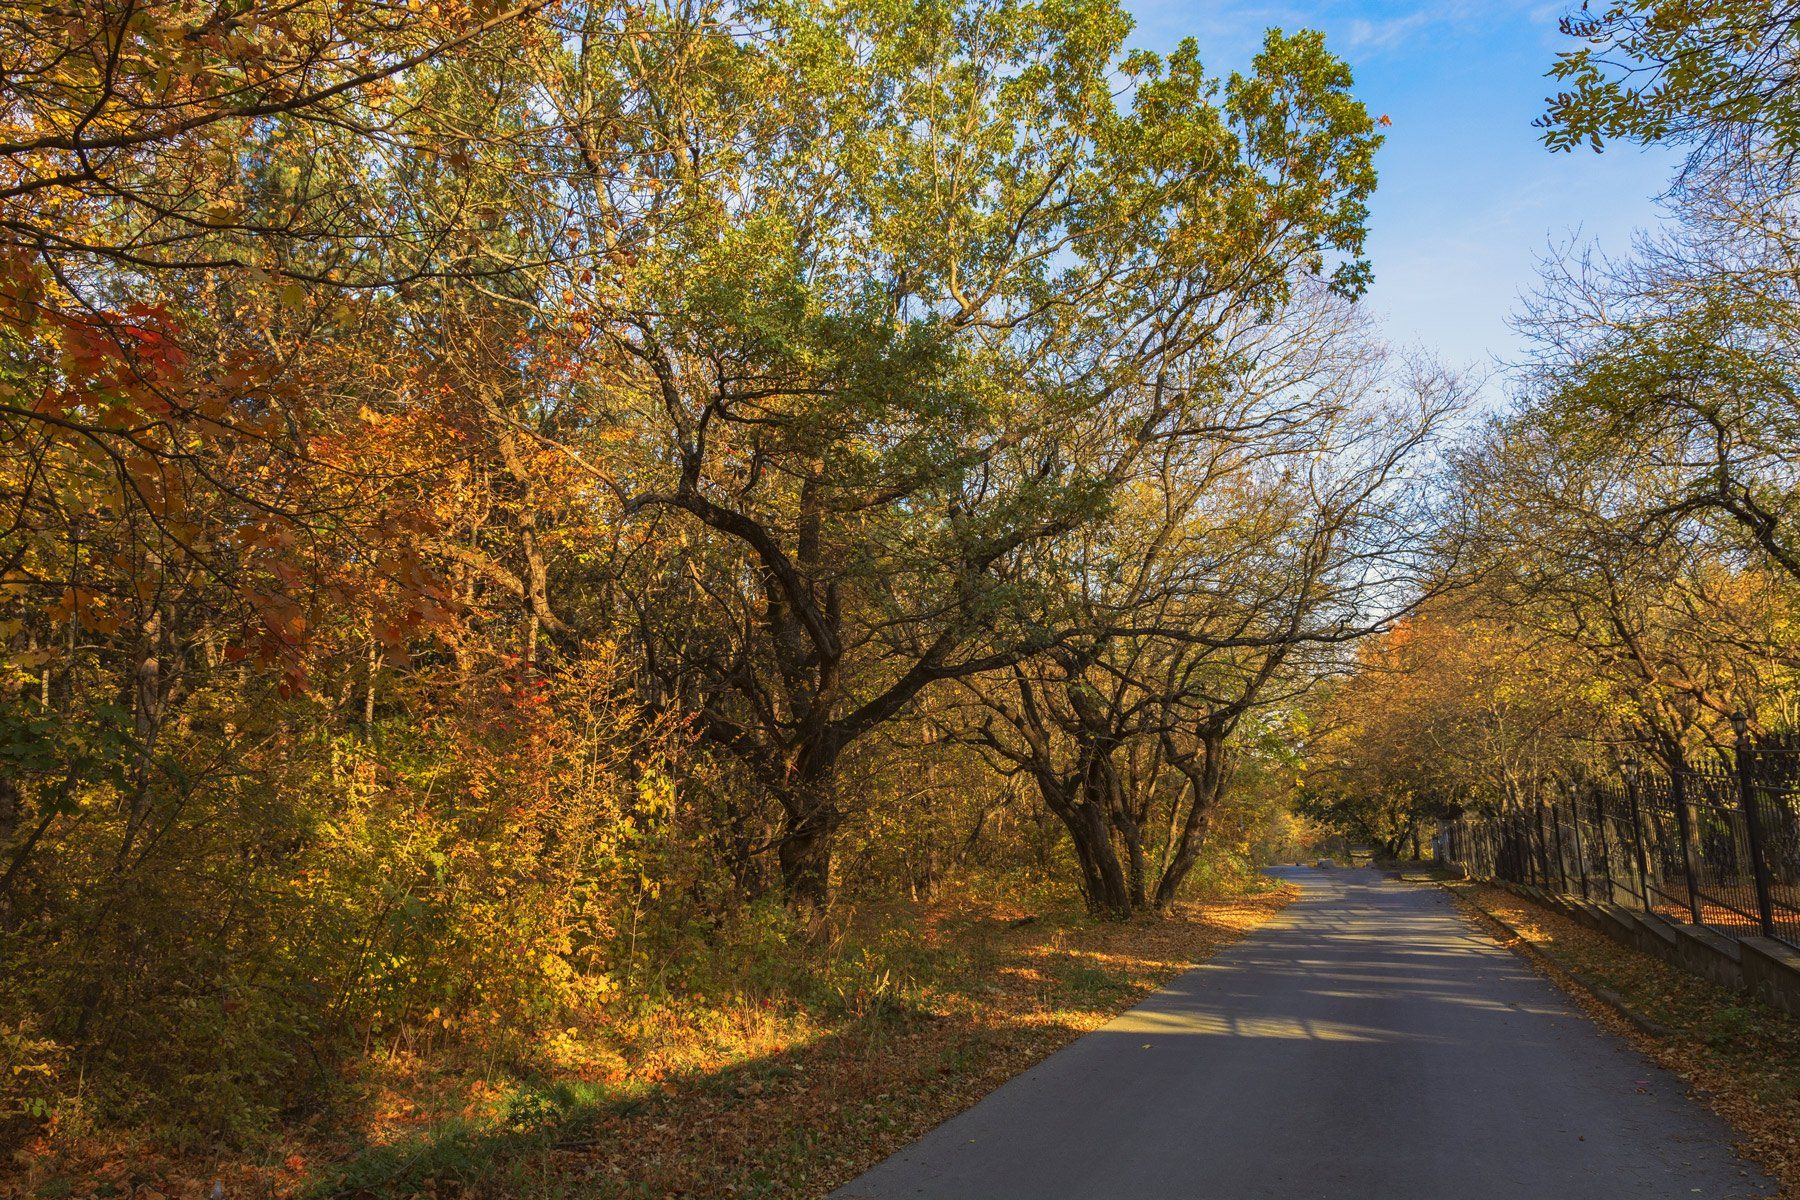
[(119, 368)]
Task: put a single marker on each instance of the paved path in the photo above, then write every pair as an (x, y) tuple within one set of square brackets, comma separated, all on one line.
[(1365, 1045)]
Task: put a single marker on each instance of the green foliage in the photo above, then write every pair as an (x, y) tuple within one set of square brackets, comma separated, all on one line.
[(1676, 70), (33, 1079), (1729, 1025)]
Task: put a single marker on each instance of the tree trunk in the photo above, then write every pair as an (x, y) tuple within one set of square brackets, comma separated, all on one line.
[(1184, 860), (1136, 869), (810, 817), (9, 810), (1102, 795), (1103, 882), (805, 854), (147, 707), (1208, 773), (9, 830)]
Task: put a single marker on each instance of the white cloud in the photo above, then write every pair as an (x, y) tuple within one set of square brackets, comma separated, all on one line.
[(1386, 34)]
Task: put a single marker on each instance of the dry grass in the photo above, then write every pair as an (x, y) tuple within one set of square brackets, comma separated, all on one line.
[(1742, 1058), (734, 1096)]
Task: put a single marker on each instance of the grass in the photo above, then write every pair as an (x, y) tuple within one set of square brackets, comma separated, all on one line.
[(1741, 1057), (783, 1090)]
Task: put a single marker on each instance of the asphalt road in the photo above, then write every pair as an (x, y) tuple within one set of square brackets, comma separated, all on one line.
[(1365, 1044)]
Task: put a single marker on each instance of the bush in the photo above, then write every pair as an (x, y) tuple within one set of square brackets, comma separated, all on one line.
[(475, 873)]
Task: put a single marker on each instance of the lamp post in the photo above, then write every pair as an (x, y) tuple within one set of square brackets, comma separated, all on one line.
[(1556, 839), (1759, 868), (1684, 822), (1581, 862), (1630, 769)]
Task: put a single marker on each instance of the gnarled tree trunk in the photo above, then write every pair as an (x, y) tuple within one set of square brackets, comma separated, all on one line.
[(1207, 769)]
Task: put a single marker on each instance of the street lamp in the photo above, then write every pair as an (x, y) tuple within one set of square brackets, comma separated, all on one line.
[(1630, 770), (1747, 787)]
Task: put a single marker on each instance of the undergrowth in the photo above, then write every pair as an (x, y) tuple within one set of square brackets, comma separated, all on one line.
[(772, 1058)]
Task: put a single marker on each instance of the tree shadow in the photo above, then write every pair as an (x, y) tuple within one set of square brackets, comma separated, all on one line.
[(791, 1123)]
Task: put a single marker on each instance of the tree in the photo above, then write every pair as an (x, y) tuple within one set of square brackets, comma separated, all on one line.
[(1461, 705), (851, 388), (1235, 567), (1684, 351), (483, 481)]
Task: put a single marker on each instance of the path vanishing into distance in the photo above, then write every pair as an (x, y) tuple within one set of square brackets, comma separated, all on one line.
[(1367, 1044)]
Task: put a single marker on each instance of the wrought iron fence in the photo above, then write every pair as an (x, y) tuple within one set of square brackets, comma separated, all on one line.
[(1713, 843)]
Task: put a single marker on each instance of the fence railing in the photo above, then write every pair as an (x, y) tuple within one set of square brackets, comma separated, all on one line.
[(1714, 844)]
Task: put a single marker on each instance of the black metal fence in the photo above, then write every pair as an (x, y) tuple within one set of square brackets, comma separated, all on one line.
[(1715, 844)]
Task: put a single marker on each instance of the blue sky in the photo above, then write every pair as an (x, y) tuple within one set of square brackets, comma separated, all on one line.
[(1469, 199)]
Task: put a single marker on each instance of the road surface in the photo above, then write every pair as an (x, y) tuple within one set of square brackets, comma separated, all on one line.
[(1365, 1045)]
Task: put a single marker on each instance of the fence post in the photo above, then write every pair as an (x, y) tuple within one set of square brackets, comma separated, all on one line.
[(1512, 845), (1526, 851), (1562, 862), (1612, 891), (1543, 844), (1759, 867), (1581, 863), (1637, 832), (1678, 795)]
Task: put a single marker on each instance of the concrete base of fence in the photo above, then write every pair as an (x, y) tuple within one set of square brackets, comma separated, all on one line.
[(1772, 973), (1768, 970), (1624, 924), (1712, 954)]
